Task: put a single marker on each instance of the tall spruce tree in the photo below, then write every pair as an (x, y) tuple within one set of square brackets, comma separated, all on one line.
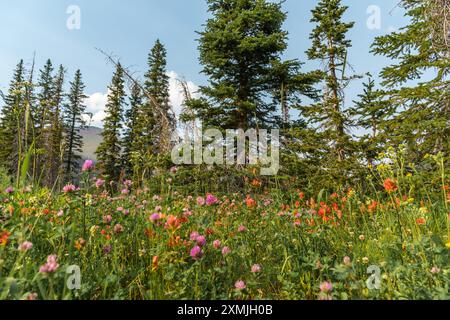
[(73, 114), (42, 114), (157, 85), (109, 151), (369, 114), (12, 121), (54, 150), (328, 133), (133, 134), (330, 46), (417, 83), (238, 48)]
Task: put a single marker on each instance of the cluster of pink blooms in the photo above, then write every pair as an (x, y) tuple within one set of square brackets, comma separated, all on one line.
[(27, 245), (50, 266), (69, 188), (87, 166), (199, 239), (240, 285), (128, 183), (256, 268), (326, 287), (211, 200), (99, 183), (9, 190), (226, 250), (155, 217), (201, 201), (217, 244), (242, 229), (196, 253)]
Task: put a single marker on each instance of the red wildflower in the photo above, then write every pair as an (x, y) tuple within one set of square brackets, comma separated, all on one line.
[(390, 185), (256, 183), (155, 263), (250, 202), (172, 222), (421, 221), (373, 206), (335, 206), (4, 236)]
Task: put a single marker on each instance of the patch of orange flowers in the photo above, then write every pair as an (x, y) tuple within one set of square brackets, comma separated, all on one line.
[(390, 185), (251, 203), (4, 236)]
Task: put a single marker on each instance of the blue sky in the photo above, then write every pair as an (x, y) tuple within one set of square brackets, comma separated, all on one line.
[(129, 28)]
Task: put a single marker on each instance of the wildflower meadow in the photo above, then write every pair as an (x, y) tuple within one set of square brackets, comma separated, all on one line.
[(87, 243), (224, 150)]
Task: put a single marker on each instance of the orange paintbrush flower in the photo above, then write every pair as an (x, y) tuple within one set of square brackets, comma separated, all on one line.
[(390, 185)]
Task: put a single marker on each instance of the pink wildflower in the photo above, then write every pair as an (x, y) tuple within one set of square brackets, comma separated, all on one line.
[(99, 183), (154, 217), (217, 244), (242, 229), (226, 250), (211, 200), (27, 245), (201, 241), (196, 253), (256, 268), (200, 201), (69, 188), (326, 287), (50, 266), (240, 285), (194, 235), (128, 183), (88, 165)]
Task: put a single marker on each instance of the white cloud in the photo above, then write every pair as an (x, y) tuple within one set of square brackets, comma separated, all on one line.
[(95, 105), (96, 102), (176, 91)]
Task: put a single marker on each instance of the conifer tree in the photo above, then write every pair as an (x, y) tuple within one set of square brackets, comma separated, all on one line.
[(238, 48), (330, 46), (157, 85), (12, 121), (422, 105), (56, 130), (42, 120), (133, 134), (109, 151), (369, 113), (73, 122)]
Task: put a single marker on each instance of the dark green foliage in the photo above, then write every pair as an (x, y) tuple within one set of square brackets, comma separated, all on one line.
[(12, 122), (422, 106), (55, 139), (43, 112), (328, 117), (73, 122), (110, 150), (157, 86), (370, 113), (134, 120), (238, 48)]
